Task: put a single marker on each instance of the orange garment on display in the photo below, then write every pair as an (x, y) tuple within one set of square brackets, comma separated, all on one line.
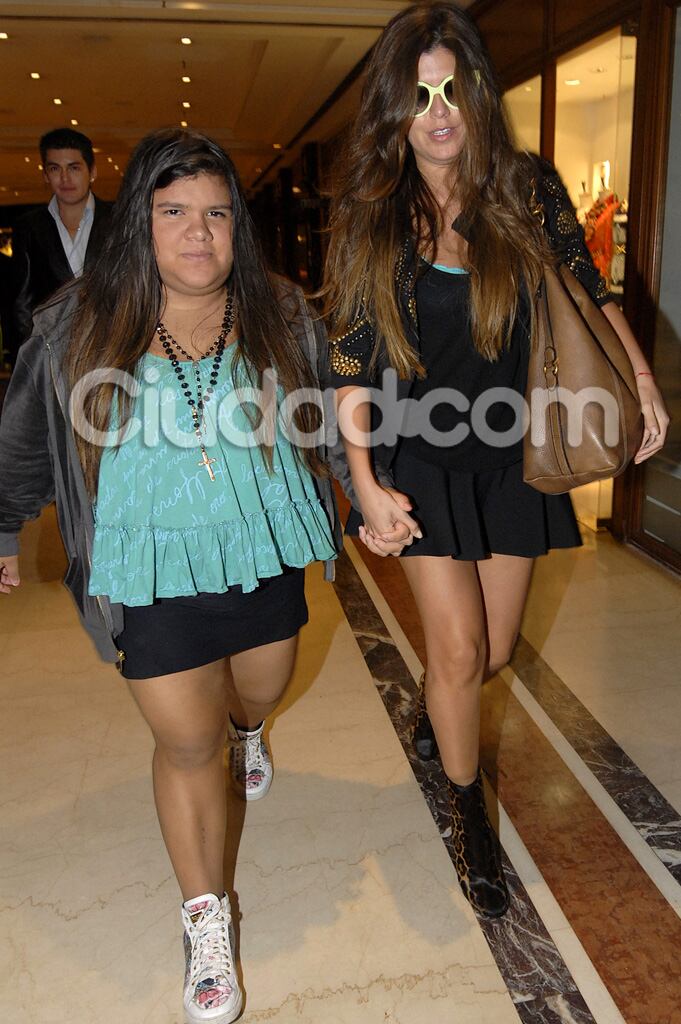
[(598, 231)]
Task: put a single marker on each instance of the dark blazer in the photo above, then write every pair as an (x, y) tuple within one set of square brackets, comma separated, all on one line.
[(41, 266)]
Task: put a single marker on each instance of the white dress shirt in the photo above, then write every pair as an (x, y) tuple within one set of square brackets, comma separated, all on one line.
[(76, 247)]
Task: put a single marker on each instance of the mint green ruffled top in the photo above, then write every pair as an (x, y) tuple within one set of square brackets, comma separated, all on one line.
[(163, 528)]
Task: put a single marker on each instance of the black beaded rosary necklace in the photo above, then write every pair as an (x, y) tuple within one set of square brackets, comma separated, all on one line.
[(197, 405)]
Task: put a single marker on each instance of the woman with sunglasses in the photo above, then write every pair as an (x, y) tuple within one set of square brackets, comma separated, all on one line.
[(434, 255), (187, 530)]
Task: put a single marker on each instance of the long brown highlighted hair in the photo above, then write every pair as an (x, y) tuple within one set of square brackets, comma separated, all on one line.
[(379, 197), (121, 297)]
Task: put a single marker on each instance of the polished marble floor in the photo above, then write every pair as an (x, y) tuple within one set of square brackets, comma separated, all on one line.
[(349, 910)]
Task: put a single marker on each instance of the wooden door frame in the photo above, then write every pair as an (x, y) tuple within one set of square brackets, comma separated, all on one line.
[(651, 129)]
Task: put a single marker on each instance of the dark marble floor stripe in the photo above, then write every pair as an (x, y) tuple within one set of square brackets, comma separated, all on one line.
[(540, 984), (654, 817)]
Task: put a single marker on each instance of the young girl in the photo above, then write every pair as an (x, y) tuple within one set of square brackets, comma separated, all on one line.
[(188, 534), (435, 254)]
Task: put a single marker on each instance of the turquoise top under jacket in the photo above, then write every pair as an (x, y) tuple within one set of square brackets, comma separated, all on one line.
[(443, 268), (163, 528)]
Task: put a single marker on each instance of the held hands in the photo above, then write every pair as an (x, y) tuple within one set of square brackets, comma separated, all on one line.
[(655, 417), (9, 573), (388, 527)]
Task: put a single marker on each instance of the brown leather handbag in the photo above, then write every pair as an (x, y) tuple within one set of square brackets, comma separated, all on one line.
[(585, 414)]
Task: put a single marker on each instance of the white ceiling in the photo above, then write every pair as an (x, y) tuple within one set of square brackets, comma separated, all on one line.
[(259, 72), (603, 68)]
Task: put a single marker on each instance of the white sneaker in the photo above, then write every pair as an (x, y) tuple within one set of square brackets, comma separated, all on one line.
[(211, 987), (250, 764)]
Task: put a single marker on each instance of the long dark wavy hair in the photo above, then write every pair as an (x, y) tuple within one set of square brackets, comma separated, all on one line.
[(379, 197), (121, 297)]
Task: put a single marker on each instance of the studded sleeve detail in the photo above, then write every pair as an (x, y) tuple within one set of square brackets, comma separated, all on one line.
[(350, 355), (566, 235), (405, 282), (567, 222)]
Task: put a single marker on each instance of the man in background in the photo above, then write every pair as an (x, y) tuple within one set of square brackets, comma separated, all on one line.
[(54, 243)]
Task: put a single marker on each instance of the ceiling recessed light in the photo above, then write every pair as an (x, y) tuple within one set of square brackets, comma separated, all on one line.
[(573, 81), (40, 167), (27, 159), (277, 145), (297, 191), (56, 101), (3, 35), (74, 122), (528, 88), (186, 41), (35, 75), (183, 124), (186, 78), (186, 104), (116, 167)]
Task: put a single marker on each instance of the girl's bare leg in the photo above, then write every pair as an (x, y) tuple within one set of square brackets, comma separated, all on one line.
[(187, 714)]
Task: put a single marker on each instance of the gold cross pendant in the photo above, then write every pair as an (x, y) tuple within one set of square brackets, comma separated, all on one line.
[(205, 461)]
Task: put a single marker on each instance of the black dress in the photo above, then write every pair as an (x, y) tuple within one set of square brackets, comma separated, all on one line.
[(464, 475)]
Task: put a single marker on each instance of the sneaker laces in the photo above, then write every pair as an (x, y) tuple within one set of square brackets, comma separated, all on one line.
[(211, 953), (249, 754)]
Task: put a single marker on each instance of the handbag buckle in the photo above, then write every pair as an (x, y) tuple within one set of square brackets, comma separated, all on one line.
[(551, 366)]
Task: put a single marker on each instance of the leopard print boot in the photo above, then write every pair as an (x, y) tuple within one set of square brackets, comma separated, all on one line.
[(423, 737), (476, 850)]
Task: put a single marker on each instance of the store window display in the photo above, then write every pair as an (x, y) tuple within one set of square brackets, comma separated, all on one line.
[(605, 229), (594, 114)]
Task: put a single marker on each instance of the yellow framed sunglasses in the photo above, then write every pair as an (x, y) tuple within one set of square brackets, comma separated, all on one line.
[(425, 94)]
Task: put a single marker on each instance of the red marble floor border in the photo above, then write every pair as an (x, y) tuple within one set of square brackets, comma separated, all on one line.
[(627, 928)]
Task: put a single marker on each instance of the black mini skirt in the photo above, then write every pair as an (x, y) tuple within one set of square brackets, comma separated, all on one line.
[(470, 516), (175, 634)]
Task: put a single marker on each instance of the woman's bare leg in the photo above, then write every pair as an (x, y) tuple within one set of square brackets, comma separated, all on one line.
[(505, 581), (449, 600), (449, 597), (187, 714)]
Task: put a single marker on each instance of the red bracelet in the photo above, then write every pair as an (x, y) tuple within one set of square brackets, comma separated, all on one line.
[(644, 373)]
